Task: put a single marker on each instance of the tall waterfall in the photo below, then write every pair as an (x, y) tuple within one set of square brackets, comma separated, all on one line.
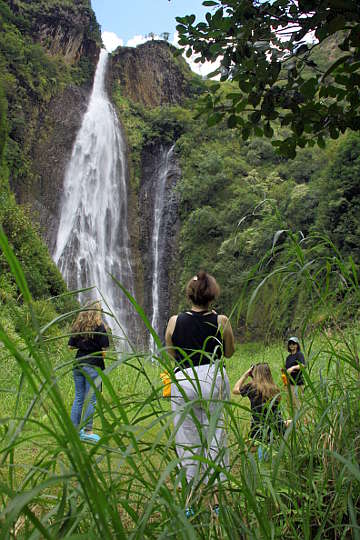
[(158, 239), (93, 238)]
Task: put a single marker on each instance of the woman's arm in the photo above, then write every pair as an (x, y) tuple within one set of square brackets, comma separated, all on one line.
[(227, 335), (168, 335), (293, 368), (240, 382)]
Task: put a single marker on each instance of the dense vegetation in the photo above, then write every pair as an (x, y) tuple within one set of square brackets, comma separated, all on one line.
[(239, 197), (266, 48)]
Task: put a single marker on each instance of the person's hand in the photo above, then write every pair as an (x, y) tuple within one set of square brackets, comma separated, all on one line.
[(249, 371)]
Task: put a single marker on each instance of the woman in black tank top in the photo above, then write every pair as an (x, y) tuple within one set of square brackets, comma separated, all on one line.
[(197, 339)]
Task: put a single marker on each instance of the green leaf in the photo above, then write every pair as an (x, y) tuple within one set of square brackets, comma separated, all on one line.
[(309, 88), (214, 119), (320, 141), (241, 106), (298, 127), (232, 121), (254, 98), (245, 133), (334, 133), (214, 88), (209, 3), (255, 117), (268, 130)]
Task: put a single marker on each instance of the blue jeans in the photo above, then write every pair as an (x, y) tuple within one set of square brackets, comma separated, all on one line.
[(82, 387)]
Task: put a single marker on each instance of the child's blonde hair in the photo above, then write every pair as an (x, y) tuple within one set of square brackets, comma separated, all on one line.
[(88, 320), (263, 382)]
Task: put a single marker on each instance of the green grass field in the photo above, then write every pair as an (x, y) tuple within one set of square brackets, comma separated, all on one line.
[(54, 486)]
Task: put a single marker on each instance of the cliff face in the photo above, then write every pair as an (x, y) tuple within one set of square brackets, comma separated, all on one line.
[(62, 41), (54, 135), (158, 200), (150, 74)]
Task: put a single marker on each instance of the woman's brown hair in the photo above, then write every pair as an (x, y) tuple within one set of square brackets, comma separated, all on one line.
[(88, 320), (202, 289), (263, 382)]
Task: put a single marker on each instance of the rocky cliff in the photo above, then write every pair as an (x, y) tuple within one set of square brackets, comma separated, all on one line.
[(63, 28), (150, 74)]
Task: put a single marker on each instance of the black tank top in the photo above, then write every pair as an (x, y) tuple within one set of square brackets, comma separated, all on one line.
[(196, 331)]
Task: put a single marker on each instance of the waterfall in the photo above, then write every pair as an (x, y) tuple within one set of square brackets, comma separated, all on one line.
[(93, 239), (158, 240)]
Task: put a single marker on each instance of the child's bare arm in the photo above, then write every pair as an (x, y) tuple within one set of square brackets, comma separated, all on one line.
[(240, 382)]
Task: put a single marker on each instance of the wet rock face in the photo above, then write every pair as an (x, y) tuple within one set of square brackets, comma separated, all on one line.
[(57, 131), (152, 166), (67, 42), (150, 74)]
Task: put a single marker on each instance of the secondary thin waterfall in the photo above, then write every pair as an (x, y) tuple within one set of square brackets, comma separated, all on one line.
[(157, 241), (93, 239)]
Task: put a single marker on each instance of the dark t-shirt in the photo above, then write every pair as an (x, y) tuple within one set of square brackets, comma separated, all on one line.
[(266, 416), (89, 348), (296, 376), (196, 331)]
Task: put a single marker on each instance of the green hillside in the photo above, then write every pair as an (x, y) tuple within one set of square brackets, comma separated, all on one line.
[(235, 198)]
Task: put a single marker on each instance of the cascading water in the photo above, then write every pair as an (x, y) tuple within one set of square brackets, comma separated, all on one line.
[(158, 240), (93, 239)]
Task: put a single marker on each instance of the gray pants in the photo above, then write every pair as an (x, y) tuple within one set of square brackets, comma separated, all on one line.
[(199, 420)]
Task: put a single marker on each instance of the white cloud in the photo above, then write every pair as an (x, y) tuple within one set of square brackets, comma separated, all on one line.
[(111, 41), (137, 40), (202, 69), (205, 68)]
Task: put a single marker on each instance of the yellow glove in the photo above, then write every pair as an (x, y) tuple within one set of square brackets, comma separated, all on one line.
[(165, 377)]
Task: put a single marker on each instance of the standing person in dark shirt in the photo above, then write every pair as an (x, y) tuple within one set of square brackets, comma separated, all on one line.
[(264, 398), (292, 365), (197, 339), (90, 339)]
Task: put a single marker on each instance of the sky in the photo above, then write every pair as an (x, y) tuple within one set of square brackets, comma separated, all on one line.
[(128, 22)]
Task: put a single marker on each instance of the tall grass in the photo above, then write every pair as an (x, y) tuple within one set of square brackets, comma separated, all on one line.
[(54, 486)]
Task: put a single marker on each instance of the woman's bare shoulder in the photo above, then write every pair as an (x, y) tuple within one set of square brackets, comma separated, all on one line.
[(172, 323), (222, 319)]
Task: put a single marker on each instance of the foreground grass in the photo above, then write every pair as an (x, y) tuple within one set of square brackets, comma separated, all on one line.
[(127, 486), (53, 486)]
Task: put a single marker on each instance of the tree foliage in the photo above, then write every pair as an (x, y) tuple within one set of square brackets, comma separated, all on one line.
[(268, 50)]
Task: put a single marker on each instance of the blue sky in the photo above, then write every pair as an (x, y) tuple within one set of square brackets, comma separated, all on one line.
[(130, 18)]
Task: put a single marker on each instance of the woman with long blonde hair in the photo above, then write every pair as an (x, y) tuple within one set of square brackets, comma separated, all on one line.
[(264, 396), (90, 338)]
